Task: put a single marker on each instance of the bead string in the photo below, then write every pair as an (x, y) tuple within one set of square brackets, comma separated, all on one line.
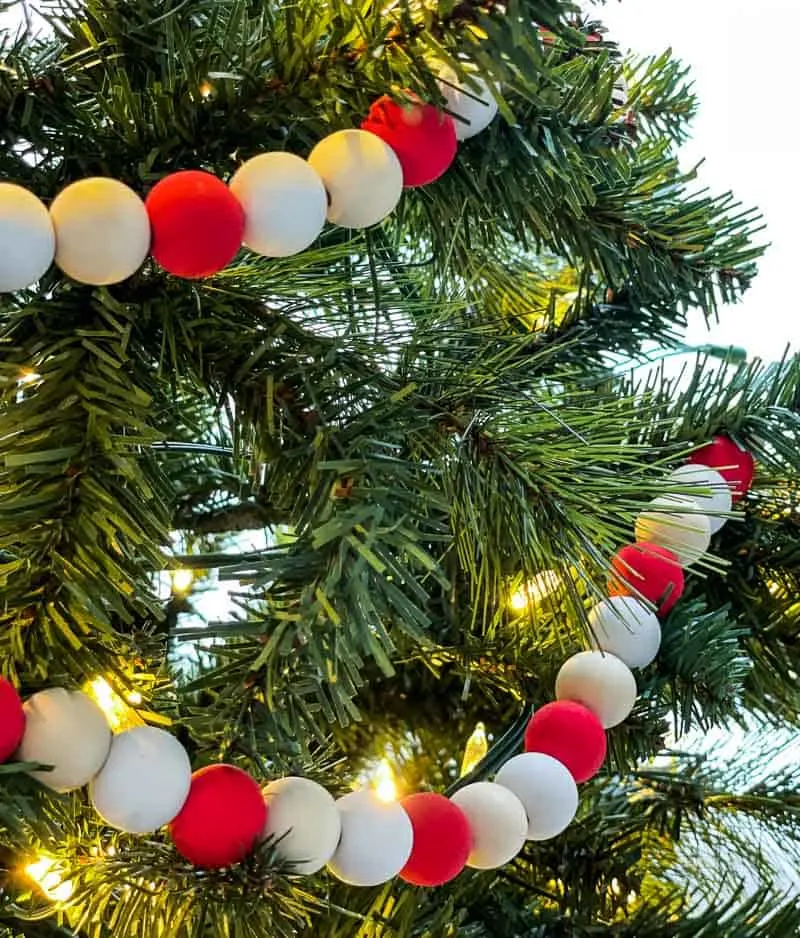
[(99, 232), (140, 780)]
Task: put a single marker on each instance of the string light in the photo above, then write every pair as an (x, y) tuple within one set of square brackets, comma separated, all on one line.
[(384, 783), (28, 376), (476, 748), (118, 712), (544, 584), (45, 874), (182, 580)]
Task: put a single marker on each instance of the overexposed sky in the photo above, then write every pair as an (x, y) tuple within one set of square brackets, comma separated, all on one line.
[(743, 58)]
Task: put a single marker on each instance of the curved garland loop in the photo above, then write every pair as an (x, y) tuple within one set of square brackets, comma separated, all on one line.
[(99, 232), (140, 779)]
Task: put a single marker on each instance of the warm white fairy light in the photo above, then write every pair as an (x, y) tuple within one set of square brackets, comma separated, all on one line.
[(384, 783), (44, 872), (182, 580), (118, 711), (536, 590), (476, 748), (28, 376)]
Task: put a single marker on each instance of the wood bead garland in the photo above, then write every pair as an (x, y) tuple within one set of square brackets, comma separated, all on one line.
[(376, 840), (144, 782), (68, 731), (27, 239), (442, 840), (12, 719), (570, 733), (362, 176), (648, 571), (497, 822), (303, 818), (601, 682), (675, 522), (102, 231), (196, 222), (734, 464), (708, 488), (470, 100), (625, 627), (284, 203), (222, 818), (423, 137), (546, 789)]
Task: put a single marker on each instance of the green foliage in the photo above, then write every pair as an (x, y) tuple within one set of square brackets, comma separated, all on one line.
[(417, 420)]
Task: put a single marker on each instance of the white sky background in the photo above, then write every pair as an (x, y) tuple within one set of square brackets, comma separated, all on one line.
[(743, 60)]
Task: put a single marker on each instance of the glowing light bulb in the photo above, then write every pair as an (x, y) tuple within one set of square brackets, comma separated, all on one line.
[(206, 89), (476, 748), (384, 783), (117, 711), (182, 580), (519, 600), (45, 874), (28, 376), (544, 584)]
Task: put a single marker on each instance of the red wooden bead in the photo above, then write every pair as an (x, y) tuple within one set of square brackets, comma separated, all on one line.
[(12, 719), (196, 222), (442, 839), (571, 733), (222, 818), (422, 137), (734, 464), (647, 570)]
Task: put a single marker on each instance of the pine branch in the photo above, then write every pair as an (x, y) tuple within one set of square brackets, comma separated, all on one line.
[(243, 517)]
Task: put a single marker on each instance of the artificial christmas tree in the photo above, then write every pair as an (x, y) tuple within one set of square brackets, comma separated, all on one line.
[(368, 439)]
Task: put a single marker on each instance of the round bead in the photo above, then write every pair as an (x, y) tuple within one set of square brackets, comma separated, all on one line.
[(674, 522), (734, 464), (284, 203), (470, 100), (546, 789), (197, 224), (376, 839), (620, 93), (221, 819), (423, 138), (601, 682), (625, 627), (102, 231), (362, 176), (649, 571), (497, 821), (713, 494), (144, 782), (303, 818), (68, 731), (27, 240), (571, 733), (12, 719), (442, 839)]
